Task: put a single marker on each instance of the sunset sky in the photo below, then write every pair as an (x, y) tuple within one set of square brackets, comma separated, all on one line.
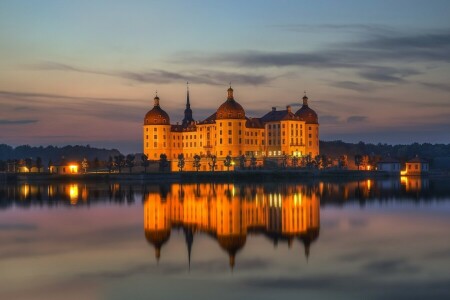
[(86, 72)]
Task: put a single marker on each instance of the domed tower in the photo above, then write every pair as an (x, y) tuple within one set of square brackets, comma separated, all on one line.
[(311, 131), (230, 127), (156, 132)]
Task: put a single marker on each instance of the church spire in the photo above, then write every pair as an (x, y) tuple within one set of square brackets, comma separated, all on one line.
[(188, 111), (188, 104)]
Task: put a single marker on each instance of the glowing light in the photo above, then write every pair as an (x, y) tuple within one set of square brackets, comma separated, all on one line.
[(73, 168), (73, 194), (369, 184), (403, 172)]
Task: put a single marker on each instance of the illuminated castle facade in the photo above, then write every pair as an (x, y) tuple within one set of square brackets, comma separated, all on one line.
[(229, 132)]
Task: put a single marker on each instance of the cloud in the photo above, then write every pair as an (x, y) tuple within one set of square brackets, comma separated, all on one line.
[(18, 226), (351, 28), (438, 86), (329, 119), (17, 122), (210, 77), (387, 74), (355, 86), (356, 119), (364, 55)]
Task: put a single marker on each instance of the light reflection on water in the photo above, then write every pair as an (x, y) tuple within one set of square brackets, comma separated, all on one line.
[(369, 238)]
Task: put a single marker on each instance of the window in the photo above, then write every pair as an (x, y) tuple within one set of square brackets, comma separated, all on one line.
[(229, 123), (270, 126), (155, 136), (220, 141), (229, 141), (155, 144), (310, 136), (229, 131), (146, 137), (154, 129), (220, 124)]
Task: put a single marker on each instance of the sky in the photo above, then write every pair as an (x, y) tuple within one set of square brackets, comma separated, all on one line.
[(86, 72)]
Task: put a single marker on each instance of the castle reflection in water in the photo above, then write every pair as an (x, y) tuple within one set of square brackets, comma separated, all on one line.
[(229, 213)]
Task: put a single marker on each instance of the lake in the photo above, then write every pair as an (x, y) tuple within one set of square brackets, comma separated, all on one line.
[(371, 239)]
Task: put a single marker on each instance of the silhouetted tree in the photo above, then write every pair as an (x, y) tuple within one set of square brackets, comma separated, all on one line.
[(242, 161), (227, 162), (39, 163), (358, 160), (96, 164), (253, 162), (28, 164), (119, 161), (129, 162), (213, 163), (294, 161), (163, 163), (197, 162), (181, 162), (145, 162)]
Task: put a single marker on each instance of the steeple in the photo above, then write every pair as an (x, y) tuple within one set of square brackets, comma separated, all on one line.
[(305, 100), (230, 93), (156, 99), (188, 111)]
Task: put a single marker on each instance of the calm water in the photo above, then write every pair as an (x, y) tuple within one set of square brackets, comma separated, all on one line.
[(374, 239)]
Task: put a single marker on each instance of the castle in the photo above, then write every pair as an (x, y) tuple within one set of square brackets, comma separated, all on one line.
[(229, 132)]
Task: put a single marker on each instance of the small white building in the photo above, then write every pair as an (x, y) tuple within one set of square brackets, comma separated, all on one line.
[(390, 165)]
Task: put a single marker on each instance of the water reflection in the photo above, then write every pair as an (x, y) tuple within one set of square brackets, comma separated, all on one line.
[(80, 194), (229, 214)]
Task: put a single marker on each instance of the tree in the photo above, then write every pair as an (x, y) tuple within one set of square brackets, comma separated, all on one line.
[(28, 164), (242, 161), (84, 165), (119, 161), (343, 163), (197, 163), (253, 162), (145, 162), (213, 162), (227, 162), (284, 162), (96, 164), (318, 161), (50, 163), (111, 164), (181, 162), (163, 163), (129, 162), (294, 161), (358, 160), (39, 163)]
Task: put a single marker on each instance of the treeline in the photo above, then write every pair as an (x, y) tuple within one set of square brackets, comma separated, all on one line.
[(437, 154), (76, 153)]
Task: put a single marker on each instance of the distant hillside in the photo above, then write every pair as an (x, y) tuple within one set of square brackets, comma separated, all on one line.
[(437, 154), (55, 153)]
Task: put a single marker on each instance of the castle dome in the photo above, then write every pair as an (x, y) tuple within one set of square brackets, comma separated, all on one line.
[(305, 113), (156, 116), (230, 109)]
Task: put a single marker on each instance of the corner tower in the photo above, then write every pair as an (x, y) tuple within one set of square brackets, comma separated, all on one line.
[(156, 135), (309, 116)]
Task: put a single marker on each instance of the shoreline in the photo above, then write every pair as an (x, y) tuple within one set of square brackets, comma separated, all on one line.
[(217, 176)]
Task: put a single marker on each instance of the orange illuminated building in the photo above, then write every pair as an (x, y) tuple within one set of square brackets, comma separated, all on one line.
[(230, 132), (228, 213)]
